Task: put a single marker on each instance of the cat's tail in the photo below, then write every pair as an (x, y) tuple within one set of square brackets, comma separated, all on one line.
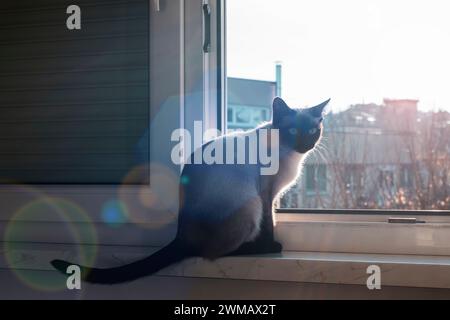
[(168, 255)]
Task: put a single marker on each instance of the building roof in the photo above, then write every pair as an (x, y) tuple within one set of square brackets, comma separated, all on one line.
[(364, 148), (371, 134), (249, 92)]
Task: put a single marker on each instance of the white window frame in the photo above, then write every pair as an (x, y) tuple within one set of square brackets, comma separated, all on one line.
[(363, 232), (180, 19), (352, 233)]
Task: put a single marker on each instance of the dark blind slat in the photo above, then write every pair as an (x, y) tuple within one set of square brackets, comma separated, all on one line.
[(73, 104)]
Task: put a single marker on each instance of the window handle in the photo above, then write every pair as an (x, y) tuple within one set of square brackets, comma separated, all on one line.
[(207, 28), (157, 5), (405, 221)]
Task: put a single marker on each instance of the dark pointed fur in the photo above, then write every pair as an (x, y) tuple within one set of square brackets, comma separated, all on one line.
[(170, 254), (227, 209)]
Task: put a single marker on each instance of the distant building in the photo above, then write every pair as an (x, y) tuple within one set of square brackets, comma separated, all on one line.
[(400, 109), (371, 157), (250, 101)]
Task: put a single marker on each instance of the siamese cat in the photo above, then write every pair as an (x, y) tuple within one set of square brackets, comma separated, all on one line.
[(227, 209)]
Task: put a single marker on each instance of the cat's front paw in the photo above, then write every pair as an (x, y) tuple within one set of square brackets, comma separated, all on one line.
[(276, 247)]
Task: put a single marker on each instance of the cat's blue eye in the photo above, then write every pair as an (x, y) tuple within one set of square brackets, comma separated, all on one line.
[(293, 131), (313, 131)]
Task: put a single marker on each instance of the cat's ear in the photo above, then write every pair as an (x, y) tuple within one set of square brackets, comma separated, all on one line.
[(319, 110), (280, 110)]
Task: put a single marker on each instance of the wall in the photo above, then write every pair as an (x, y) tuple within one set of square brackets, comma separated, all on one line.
[(194, 288)]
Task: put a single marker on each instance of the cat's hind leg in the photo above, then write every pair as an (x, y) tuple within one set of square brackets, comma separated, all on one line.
[(265, 242), (242, 227), (256, 247)]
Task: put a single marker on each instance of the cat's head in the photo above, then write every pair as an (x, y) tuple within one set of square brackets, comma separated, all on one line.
[(300, 129)]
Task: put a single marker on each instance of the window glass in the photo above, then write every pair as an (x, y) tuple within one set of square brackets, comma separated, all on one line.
[(384, 64), (230, 115), (316, 178), (74, 104), (310, 178)]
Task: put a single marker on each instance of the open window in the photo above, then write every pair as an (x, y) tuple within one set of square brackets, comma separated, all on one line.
[(87, 115), (385, 150), (389, 121), (157, 66)]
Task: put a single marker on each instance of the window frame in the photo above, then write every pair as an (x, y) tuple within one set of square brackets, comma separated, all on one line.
[(327, 230), (351, 231), (71, 192), (180, 19)]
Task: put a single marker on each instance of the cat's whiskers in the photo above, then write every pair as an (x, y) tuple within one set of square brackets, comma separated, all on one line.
[(321, 151)]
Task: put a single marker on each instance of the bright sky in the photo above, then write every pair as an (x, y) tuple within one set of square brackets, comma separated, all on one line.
[(350, 50)]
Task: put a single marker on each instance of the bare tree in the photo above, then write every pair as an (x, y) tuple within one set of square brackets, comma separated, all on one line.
[(383, 170)]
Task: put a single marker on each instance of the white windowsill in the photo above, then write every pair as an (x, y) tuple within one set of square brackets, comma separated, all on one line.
[(332, 268)]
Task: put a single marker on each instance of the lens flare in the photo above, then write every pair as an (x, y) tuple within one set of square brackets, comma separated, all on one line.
[(157, 202), (114, 213), (74, 226), (185, 180)]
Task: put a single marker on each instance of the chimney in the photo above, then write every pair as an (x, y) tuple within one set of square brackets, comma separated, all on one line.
[(278, 78), (401, 114)]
